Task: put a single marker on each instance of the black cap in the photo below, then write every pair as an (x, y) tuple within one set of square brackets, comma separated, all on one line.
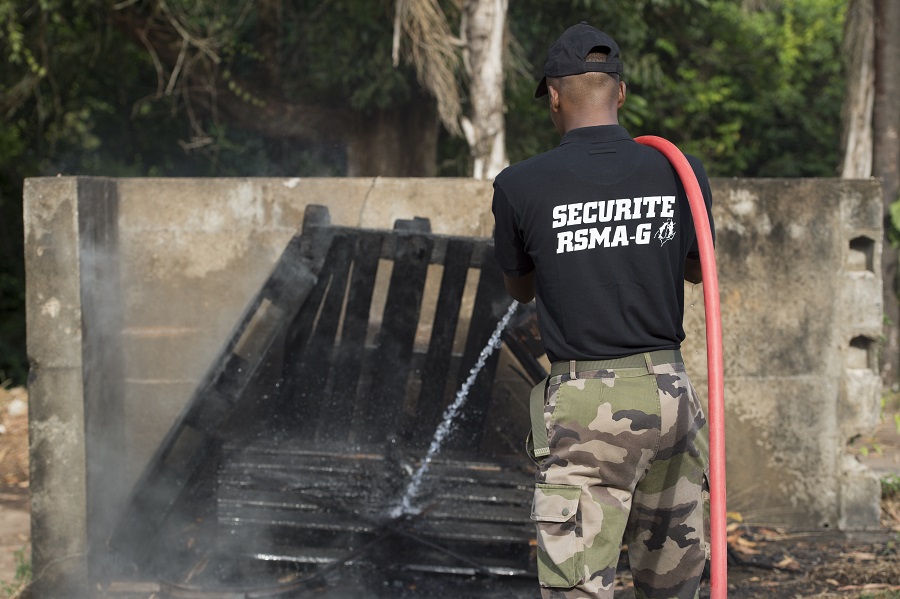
[(567, 55)]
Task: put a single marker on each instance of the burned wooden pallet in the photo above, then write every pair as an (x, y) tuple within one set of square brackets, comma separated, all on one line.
[(308, 508), (365, 383), (323, 386)]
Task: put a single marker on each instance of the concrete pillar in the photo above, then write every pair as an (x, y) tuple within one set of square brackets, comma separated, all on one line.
[(74, 323)]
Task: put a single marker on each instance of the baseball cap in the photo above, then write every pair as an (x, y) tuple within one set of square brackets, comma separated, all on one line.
[(567, 55)]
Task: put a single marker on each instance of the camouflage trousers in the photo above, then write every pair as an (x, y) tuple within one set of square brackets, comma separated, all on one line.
[(627, 462)]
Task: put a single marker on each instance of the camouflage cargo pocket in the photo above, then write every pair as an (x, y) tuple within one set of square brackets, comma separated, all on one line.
[(560, 548)]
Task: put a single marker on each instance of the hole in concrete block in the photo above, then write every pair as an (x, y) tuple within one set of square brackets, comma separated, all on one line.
[(862, 254), (861, 353)]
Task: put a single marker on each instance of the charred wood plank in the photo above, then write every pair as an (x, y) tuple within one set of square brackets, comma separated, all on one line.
[(381, 405), (316, 360), (491, 301), (351, 351), (435, 371)]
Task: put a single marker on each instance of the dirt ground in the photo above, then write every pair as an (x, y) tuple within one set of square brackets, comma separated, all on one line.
[(763, 562)]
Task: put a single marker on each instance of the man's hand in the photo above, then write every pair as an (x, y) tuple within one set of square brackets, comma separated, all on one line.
[(692, 271), (520, 288)]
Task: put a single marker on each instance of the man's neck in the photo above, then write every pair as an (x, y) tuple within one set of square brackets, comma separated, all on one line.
[(592, 120)]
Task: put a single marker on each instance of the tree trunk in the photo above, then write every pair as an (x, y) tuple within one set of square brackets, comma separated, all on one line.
[(886, 164), (398, 142), (859, 48), (483, 30)]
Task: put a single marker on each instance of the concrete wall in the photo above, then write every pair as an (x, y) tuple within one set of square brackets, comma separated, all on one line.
[(801, 309), (134, 284)]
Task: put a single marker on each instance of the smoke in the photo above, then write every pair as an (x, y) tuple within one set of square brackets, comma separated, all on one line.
[(268, 473)]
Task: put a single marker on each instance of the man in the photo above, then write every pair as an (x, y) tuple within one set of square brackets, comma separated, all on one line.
[(599, 231)]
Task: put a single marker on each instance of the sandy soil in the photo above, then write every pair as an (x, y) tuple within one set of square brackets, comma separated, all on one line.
[(763, 562)]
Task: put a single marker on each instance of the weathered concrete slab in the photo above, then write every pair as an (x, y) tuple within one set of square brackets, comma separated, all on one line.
[(801, 308)]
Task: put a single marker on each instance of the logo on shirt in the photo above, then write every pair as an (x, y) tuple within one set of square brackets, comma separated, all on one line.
[(616, 223), (666, 232)]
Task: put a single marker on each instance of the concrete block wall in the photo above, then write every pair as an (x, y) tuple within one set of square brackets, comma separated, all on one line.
[(800, 284), (134, 284)]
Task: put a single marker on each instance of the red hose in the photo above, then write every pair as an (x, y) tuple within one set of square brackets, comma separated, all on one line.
[(719, 547)]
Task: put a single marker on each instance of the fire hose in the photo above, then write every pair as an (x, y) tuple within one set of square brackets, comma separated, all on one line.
[(718, 540)]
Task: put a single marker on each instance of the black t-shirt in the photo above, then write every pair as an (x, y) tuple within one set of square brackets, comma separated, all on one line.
[(605, 223)]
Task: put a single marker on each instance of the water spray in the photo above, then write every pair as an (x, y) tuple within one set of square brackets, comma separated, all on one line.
[(412, 489), (719, 546)]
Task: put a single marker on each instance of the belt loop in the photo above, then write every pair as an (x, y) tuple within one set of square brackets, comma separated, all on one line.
[(649, 362), (572, 374)]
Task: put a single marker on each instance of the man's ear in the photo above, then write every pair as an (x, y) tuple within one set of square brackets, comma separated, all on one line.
[(554, 97), (621, 94)]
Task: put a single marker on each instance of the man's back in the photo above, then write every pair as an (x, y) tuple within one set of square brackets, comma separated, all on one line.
[(606, 226)]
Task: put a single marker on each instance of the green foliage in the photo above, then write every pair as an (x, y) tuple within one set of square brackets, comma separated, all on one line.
[(893, 224), (752, 93), (344, 53), (890, 486), (13, 35), (22, 577)]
